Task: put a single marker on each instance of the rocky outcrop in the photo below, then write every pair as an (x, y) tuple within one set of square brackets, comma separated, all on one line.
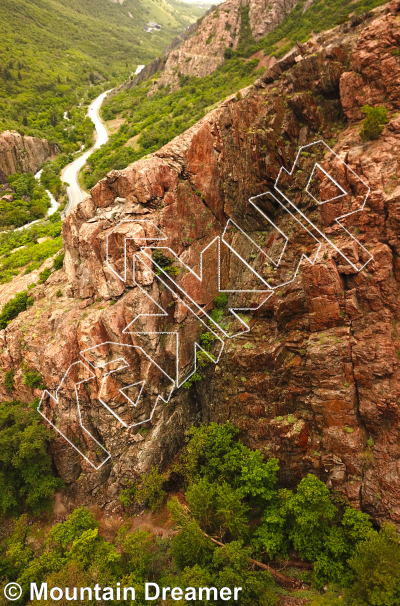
[(266, 15), (24, 154), (202, 52), (316, 380)]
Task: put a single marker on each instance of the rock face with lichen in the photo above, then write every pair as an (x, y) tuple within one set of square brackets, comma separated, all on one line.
[(315, 382)]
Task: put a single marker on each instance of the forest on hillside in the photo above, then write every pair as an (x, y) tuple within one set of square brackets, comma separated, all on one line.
[(57, 56), (230, 525)]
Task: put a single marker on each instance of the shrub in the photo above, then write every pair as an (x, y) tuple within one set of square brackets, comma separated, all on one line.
[(191, 547), (376, 566), (33, 379), (58, 261), (149, 492), (221, 300), (372, 126), (228, 53), (44, 275), (9, 380), (15, 306), (164, 263)]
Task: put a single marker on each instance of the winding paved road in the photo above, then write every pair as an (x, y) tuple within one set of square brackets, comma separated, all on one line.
[(71, 171)]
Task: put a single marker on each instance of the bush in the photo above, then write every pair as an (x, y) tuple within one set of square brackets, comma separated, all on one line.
[(26, 479), (228, 53), (373, 124), (58, 261), (191, 547), (9, 380), (221, 300), (15, 306), (149, 491), (164, 263), (44, 275), (33, 379)]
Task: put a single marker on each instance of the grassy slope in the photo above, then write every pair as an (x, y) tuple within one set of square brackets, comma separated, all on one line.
[(322, 15), (156, 120), (32, 256), (50, 50)]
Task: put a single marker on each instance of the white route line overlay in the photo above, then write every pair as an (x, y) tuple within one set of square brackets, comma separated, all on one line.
[(269, 291)]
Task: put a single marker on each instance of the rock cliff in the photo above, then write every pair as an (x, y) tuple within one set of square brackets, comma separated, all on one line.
[(316, 380), (201, 52), (22, 154)]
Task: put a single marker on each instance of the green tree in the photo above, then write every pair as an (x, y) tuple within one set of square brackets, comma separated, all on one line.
[(376, 568), (147, 491), (58, 261), (14, 307), (226, 481), (26, 478), (232, 570), (33, 378), (191, 547), (44, 275)]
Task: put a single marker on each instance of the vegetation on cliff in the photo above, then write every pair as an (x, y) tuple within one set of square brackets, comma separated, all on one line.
[(300, 24), (373, 125), (232, 495), (21, 249), (14, 307)]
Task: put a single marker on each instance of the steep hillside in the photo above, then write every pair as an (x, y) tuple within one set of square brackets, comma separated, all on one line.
[(52, 52), (224, 29), (315, 381), (219, 56), (212, 281)]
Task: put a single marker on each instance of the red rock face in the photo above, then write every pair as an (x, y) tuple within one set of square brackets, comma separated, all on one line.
[(203, 52), (315, 382), (22, 154)]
